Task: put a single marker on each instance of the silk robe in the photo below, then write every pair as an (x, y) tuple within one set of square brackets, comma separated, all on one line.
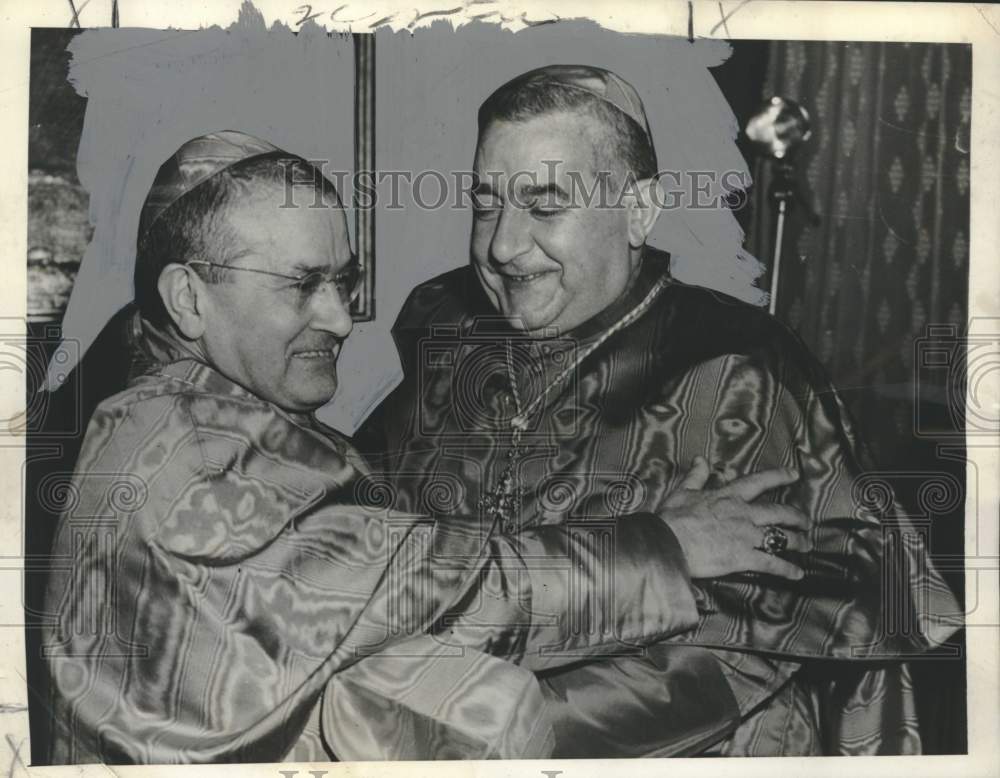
[(226, 586), (815, 666)]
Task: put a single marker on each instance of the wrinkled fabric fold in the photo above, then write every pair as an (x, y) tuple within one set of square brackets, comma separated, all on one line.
[(699, 374), (426, 699), (668, 702), (220, 561)]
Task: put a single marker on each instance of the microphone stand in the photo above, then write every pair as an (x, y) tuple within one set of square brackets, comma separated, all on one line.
[(782, 192), (777, 130)]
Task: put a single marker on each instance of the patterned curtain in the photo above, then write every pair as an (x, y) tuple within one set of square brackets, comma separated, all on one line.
[(875, 255), (887, 173)]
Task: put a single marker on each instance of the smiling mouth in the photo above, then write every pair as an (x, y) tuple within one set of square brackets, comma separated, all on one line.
[(524, 279), (326, 353)]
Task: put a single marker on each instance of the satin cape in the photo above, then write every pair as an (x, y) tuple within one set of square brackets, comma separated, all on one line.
[(816, 666), (230, 585)]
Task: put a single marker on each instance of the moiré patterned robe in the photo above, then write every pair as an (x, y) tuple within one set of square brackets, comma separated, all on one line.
[(226, 587), (698, 373)]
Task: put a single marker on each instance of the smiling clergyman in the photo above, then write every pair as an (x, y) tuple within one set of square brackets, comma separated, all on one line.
[(594, 373)]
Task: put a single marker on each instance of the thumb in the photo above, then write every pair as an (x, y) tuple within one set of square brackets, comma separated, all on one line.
[(698, 474)]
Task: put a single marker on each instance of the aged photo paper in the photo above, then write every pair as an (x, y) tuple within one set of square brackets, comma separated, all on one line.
[(529, 287)]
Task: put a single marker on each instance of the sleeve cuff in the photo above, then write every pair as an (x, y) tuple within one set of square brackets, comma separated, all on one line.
[(619, 586)]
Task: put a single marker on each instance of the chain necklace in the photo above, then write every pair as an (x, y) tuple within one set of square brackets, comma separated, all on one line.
[(503, 502)]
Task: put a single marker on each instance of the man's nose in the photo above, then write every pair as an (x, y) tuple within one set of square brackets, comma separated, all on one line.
[(330, 313), (512, 236)]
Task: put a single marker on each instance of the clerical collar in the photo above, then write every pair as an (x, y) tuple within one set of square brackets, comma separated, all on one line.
[(153, 347), (653, 266), (157, 351)]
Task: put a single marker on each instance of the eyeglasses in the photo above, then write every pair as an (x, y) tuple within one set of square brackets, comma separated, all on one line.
[(346, 281)]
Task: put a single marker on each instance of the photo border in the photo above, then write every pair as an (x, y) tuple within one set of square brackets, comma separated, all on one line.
[(733, 19)]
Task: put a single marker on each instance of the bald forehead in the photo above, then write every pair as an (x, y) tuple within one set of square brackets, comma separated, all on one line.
[(270, 210), (287, 180), (286, 235), (573, 140), (555, 134)]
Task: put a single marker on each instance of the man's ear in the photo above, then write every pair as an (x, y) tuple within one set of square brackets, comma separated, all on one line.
[(184, 296), (644, 201)]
